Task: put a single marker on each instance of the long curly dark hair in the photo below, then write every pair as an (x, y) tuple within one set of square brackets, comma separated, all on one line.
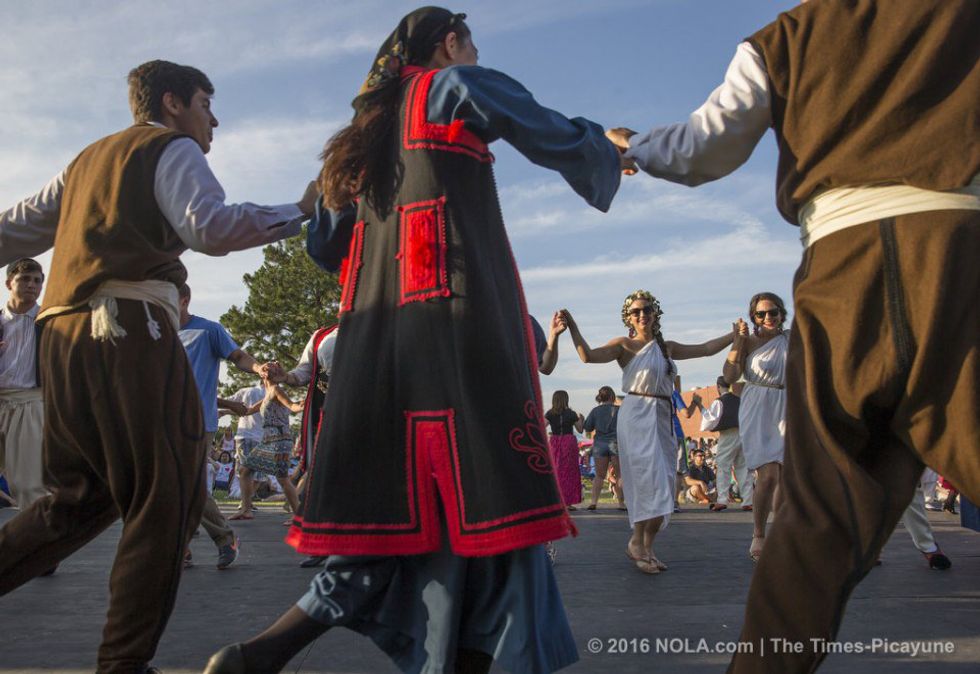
[(361, 160)]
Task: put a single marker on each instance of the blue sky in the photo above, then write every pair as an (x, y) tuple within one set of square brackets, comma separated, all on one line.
[(285, 72)]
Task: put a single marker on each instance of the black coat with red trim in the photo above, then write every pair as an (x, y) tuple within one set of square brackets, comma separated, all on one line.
[(434, 398)]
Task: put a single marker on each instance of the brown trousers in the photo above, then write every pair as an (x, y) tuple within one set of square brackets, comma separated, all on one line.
[(882, 376), (123, 437)]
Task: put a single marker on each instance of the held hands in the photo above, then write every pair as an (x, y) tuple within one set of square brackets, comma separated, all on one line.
[(620, 137), (566, 317), (236, 408), (740, 329), (558, 324), (273, 372)]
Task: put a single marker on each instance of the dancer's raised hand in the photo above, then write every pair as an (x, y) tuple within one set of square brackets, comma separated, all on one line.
[(566, 316), (558, 324)]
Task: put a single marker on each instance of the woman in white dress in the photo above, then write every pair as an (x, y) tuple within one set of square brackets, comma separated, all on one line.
[(647, 446), (761, 359)]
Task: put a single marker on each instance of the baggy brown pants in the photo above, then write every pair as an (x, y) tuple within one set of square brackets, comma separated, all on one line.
[(123, 437), (882, 376)]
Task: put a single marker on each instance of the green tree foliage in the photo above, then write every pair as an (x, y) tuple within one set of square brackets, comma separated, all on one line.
[(289, 297)]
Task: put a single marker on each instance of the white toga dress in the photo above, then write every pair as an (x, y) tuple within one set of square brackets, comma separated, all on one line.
[(762, 410), (647, 448)]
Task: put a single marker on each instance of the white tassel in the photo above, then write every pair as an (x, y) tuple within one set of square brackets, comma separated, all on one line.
[(104, 324), (151, 324)]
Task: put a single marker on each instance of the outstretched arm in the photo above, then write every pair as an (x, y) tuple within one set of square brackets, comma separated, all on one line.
[(493, 105), (711, 347), (718, 137), (603, 354), (28, 228)]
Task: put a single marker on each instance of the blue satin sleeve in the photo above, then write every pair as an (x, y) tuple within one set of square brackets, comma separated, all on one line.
[(495, 106), (328, 235)]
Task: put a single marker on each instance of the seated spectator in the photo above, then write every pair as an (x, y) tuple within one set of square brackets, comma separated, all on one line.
[(224, 471), (700, 479)]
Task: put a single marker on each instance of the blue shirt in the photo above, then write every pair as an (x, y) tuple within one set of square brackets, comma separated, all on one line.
[(602, 420), (207, 344)]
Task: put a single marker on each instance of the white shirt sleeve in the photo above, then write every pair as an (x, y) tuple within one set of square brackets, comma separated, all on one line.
[(193, 201), (28, 228), (304, 369), (711, 416), (719, 136)]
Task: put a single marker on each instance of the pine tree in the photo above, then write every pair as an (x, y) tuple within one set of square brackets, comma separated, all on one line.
[(289, 297)]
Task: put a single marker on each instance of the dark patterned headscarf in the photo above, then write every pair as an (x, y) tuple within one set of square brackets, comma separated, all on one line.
[(410, 43)]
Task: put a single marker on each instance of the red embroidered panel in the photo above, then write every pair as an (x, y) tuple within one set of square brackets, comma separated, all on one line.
[(350, 268), (421, 134), (422, 272)]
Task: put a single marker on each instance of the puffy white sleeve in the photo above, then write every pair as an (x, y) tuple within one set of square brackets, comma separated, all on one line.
[(711, 416), (193, 201), (719, 136)]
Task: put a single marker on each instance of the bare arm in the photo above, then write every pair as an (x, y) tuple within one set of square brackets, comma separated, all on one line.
[(244, 362), (611, 351), (711, 347), (233, 406), (284, 400), (735, 363), (580, 424), (550, 357)]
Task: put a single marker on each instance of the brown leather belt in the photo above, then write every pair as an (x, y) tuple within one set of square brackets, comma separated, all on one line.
[(649, 395)]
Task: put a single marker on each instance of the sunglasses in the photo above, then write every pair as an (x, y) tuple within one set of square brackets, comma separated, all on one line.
[(646, 311), (771, 313)]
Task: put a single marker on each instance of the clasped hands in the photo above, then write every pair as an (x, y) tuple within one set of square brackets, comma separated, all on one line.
[(620, 137), (273, 372)]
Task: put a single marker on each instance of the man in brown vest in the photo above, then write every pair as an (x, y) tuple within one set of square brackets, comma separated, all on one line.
[(874, 107), (123, 433)]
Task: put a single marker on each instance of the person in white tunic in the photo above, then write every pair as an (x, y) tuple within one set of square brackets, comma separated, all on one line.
[(647, 446), (761, 359), (21, 404)]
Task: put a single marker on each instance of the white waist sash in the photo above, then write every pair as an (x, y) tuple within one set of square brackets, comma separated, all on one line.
[(104, 309), (836, 209)]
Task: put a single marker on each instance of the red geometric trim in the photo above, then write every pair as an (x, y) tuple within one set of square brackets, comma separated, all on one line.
[(350, 268), (432, 447), (470, 538), (422, 272), (421, 134)]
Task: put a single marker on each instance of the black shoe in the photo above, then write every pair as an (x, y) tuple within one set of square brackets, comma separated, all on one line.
[(937, 560), (311, 562), (229, 660)]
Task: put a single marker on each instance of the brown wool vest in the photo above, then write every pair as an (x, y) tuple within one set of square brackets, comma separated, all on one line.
[(110, 225), (870, 92)]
